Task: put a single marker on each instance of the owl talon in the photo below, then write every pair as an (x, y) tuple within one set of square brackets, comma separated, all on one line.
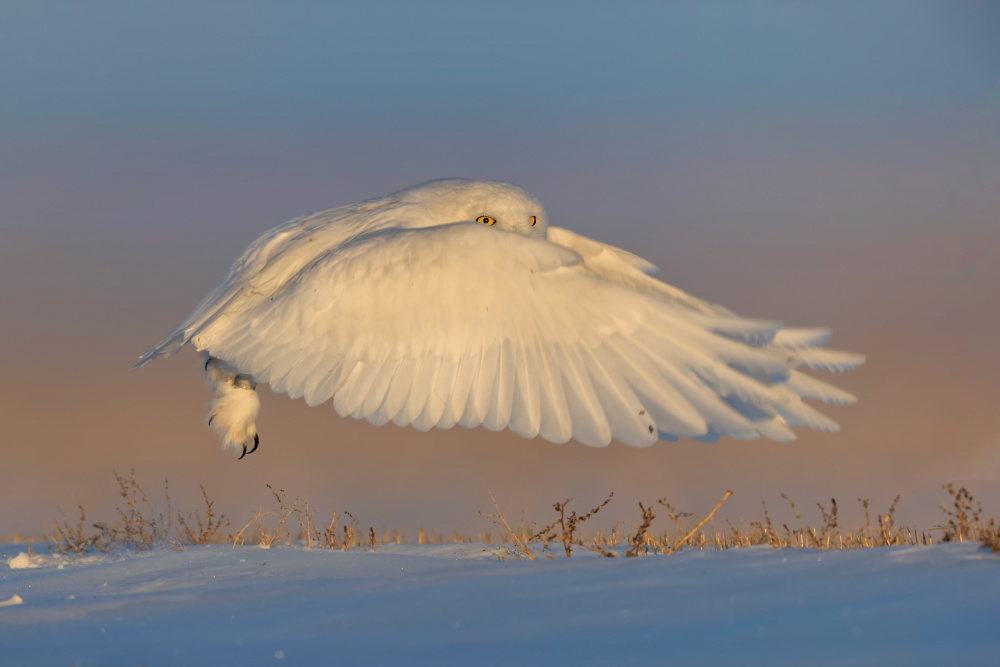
[(256, 441)]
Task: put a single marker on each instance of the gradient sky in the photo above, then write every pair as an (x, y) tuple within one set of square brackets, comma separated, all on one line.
[(832, 164)]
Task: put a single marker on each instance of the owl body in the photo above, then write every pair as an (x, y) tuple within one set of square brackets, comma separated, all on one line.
[(454, 302)]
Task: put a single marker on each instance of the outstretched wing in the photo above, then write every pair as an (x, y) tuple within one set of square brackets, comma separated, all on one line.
[(271, 260), (471, 325), (623, 268)]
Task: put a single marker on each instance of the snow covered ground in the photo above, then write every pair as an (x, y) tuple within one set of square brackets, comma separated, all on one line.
[(455, 605)]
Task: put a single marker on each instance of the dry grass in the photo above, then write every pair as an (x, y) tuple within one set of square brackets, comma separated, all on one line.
[(965, 522), (517, 538), (567, 525), (140, 527)]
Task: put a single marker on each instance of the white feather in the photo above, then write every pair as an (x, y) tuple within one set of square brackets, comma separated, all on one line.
[(233, 411), (406, 309)]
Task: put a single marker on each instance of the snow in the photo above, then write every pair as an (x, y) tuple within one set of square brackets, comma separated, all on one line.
[(460, 605)]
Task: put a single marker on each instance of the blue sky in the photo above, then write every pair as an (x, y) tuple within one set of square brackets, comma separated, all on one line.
[(822, 163), (185, 67), (370, 96)]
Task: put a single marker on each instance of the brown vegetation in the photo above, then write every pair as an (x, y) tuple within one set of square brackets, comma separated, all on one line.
[(140, 527)]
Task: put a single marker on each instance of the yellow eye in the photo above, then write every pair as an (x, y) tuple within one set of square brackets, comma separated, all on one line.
[(486, 220), (533, 220)]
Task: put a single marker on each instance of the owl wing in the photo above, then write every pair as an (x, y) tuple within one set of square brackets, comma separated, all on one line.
[(268, 262), (243, 278), (472, 325), (623, 268)]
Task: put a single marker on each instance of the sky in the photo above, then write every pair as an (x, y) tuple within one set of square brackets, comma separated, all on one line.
[(835, 164)]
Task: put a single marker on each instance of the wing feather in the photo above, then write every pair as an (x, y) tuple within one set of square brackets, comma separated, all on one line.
[(627, 417), (556, 423), (590, 424), (829, 360), (397, 393), (420, 394), (798, 338), (502, 399), (378, 393), (482, 388), (620, 267), (350, 396), (807, 386), (563, 338), (673, 413), (526, 415), (465, 377), (439, 395)]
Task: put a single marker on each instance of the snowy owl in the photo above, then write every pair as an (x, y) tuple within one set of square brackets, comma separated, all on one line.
[(455, 302)]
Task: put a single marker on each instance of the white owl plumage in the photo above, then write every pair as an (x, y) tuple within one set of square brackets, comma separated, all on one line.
[(455, 302)]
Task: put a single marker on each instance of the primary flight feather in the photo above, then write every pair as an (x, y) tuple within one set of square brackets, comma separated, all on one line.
[(455, 302)]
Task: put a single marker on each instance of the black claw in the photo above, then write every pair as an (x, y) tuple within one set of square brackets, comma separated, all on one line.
[(243, 454), (210, 420), (207, 362), (256, 441)]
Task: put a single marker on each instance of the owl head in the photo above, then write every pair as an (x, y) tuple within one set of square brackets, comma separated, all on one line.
[(492, 203)]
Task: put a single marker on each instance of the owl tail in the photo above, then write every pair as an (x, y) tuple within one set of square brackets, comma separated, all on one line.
[(234, 407)]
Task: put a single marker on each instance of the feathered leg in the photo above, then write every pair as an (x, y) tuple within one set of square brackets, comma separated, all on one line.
[(234, 407)]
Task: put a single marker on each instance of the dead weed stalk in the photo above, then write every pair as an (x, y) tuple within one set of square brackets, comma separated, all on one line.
[(140, 527)]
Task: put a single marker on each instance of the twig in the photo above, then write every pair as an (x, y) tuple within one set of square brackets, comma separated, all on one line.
[(521, 549), (694, 530)]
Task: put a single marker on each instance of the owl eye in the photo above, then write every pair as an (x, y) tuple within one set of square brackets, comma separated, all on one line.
[(533, 220), (486, 220)]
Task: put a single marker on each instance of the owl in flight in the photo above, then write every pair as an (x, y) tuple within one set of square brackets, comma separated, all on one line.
[(455, 302)]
